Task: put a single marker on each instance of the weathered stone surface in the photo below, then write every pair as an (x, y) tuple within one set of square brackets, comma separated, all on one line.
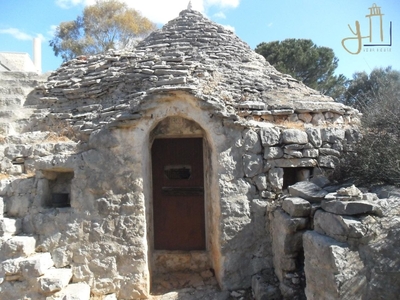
[(332, 270), (341, 228), (294, 136), (328, 161), (294, 162), (308, 191), (273, 152), (252, 164), (351, 191), (270, 136), (314, 136), (275, 178), (17, 246), (73, 291), (9, 226), (312, 153), (36, 265), (251, 141), (296, 207), (350, 208), (54, 280), (332, 135)]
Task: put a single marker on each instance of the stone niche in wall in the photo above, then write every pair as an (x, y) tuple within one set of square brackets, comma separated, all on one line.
[(58, 190)]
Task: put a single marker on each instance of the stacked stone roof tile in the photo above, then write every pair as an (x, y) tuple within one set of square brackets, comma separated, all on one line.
[(191, 54)]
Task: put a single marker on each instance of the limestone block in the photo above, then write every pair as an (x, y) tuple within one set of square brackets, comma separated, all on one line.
[(273, 152), (308, 191), (318, 119), (2, 208), (350, 208), (18, 205), (62, 257), (17, 246), (332, 270), (4, 186), (329, 151), (251, 141), (332, 134), (9, 226), (275, 178), (294, 136), (286, 224), (314, 136), (294, 162), (341, 228), (18, 150), (261, 182), (54, 280), (289, 153), (252, 164), (328, 161), (305, 117), (73, 291), (296, 207), (270, 136), (110, 297), (313, 153), (36, 265), (351, 191), (10, 268)]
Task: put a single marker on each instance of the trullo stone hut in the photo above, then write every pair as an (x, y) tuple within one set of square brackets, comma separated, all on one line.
[(135, 165)]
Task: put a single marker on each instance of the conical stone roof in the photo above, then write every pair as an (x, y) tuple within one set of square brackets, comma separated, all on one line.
[(192, 54)]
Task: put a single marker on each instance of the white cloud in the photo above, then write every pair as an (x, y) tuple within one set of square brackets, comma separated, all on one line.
[(66, 4), (229, 27), (160, 11), (219, 15), (223, 3), (16, 33)]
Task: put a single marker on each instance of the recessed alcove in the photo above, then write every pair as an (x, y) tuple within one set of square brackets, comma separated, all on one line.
[(58, 191)]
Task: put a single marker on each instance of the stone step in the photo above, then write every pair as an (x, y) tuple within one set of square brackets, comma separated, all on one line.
[(54, 280), (9, 227), (73, 291), (36, 265), (17, 246)]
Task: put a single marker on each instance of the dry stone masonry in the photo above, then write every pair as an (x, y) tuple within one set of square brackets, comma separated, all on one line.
[(78, 205)]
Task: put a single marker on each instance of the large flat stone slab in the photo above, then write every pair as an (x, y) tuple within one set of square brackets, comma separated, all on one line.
[(308, 191), (350, 208), (341, 228)]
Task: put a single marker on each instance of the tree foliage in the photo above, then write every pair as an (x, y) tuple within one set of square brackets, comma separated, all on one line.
[(108, 24), (376, 158), (307, 62), (366, 89)]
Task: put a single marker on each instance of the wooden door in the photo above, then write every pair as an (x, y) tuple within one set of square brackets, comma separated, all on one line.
[(178, 194)]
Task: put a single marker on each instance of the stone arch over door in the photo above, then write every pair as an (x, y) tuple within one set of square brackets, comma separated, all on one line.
[(192, 254)]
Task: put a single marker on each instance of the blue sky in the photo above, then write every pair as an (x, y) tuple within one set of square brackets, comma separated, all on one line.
[(325, 22)]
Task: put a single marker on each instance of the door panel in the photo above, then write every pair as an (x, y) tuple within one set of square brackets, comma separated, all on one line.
[(178, 194)]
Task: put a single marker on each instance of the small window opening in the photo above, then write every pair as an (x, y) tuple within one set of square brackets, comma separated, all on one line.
[(293, 175), (59, 188)]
